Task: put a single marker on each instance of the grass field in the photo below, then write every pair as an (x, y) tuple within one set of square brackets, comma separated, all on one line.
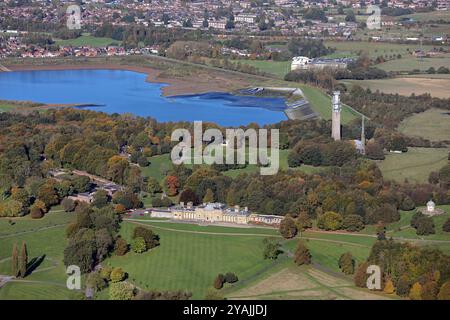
[(432, 124), (407, 85), (373, 49), (6, 107), (414, 165), (301, 283), (409, 63), (429, 16), (321, 103), (403, 229), (174, 264), (277, 68), (190, 256), (45, 238), (160, 164), (190, 261), (88, 40), (410, 233)]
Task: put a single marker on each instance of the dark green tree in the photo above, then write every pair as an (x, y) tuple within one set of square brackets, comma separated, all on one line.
[(15, 261), (23, 261)]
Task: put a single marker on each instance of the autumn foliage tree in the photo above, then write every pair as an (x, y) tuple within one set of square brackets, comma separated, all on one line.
[(121, 246), (361, 275), (389, 287), (172, 185), (330, 221), (302, 254), (219, 281), (416, 291), (444, 292), (347, 263), (288, 228)]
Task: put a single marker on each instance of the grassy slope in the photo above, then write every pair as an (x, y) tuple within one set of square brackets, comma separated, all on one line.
[(437, 87), (410, 232), (409, 63), (277, 68), (6, 107), (161, 163), (191, 261), (189, 256), (87, 40), (43, 238), (321, 103), (414, 165), (174, 264), (431, 124)]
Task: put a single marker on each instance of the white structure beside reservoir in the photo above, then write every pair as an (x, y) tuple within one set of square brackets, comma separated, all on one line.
[(305, 63), (215, 213)]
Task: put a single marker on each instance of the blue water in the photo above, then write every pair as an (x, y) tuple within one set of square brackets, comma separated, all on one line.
[(127, 92)]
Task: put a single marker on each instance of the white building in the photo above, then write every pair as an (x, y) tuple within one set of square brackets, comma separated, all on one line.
[(300, 63), (245, 17), (215, 213)]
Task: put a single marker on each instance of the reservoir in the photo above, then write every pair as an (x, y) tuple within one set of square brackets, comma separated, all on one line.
[(118, 91)]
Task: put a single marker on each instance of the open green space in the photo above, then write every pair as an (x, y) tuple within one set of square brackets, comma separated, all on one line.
[(373, 49), (276, 68), (414, 165), (428, 16), (6, 107), (432, 124), (410, 232), (190, 256), (15, 226), (160, 164), (410, 63), (405, 86), (402, 229), (321, 103), (45, 238), (88, 40), (189, 261)]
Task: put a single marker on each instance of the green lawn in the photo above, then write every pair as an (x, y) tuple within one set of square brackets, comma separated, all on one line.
[(321, 103), (432, 124), (277, 68), (26, 224), (161, 163), (373, 49), (45, 238), (407, 85), (428, 16), (6, 107), (88, 40), (190, 261), (410, 232), (35, 291), (409, 63), (190, 256), (414, 165)]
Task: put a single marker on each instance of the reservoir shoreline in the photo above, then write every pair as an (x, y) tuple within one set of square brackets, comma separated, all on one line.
[(122, 89), (173, 86)]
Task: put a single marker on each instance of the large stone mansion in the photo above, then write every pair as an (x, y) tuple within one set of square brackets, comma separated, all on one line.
[(215, 213)]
